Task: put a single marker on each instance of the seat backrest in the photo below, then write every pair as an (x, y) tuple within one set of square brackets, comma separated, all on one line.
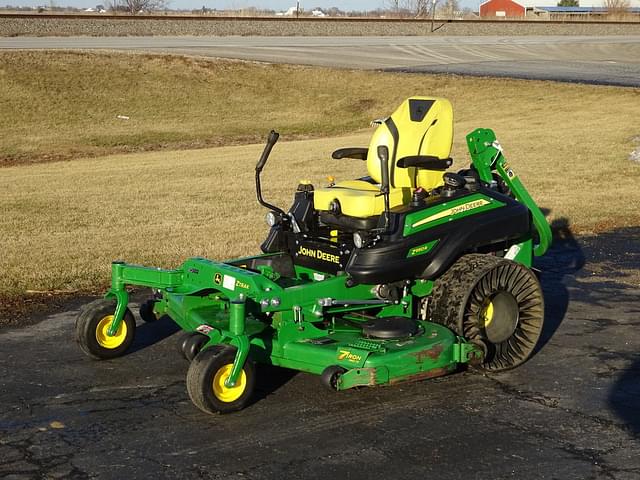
[(420, 126)]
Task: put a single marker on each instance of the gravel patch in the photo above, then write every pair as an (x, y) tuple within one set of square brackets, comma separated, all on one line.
[(229, 26)]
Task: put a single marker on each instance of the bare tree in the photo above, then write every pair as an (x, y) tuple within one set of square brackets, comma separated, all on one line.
[(616, 7), (394, 8), (138, 6), (115, 6), (449, 9), (420, 8)]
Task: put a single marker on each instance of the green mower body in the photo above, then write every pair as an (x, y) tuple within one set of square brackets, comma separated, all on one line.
[(415, 292)]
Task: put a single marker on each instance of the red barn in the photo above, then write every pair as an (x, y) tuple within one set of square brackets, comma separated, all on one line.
[(501, 9)]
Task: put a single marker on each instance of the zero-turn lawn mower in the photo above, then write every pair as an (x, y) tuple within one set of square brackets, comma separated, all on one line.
[(406, 274)]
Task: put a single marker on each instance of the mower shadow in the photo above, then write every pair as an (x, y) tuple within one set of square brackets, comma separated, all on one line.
[(565, 258), (149, 334), (624, 397), (269, 379)]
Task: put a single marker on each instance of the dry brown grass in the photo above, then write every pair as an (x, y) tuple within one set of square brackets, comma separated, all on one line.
[(63, 222)]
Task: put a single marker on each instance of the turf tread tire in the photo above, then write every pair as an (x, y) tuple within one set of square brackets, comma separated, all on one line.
[(458, 293)]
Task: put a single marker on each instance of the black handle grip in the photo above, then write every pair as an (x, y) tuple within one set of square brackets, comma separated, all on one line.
[(358, 153), (383, 155), (425, 161), (271, 141)]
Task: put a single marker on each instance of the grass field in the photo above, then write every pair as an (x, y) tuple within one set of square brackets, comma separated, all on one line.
[(63, 222)]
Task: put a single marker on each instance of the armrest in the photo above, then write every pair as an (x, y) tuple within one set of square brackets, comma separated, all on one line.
[(359, 153), (428, 162)]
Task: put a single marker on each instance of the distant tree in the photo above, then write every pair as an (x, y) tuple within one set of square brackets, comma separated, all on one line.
[(335, 12), (568, 3), (113, 5), (449, 8), (393, 6), (420, 8), (617, 7), (468, 13), (135, 6)]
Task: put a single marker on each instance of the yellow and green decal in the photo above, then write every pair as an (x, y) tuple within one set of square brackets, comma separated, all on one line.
[(351, 357), (422, 249), (449, 211)]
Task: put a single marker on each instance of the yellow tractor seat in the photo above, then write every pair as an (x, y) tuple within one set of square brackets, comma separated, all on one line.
[(359, 198), (421, 126)]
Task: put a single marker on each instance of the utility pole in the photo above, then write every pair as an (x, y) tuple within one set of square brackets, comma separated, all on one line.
[(433, 14)]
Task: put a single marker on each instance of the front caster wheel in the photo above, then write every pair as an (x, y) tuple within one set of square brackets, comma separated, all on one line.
[(206, 381), (193, 345), (330, 376), (190, 344), (91, 330), (146, 311)]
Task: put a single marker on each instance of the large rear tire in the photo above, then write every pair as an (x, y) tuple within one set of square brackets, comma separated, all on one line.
[(492, 301)]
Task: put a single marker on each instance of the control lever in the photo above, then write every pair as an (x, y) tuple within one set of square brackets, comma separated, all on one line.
[(271, 141), (452, 182), (383, 156)]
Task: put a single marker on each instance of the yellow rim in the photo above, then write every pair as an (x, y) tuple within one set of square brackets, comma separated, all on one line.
[(224, 393), (104, 340), (487, 314)]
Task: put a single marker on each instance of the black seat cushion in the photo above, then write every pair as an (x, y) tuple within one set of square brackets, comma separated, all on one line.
[(347, 223)]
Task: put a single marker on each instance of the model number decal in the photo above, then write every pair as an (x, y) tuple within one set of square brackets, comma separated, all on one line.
[(465, 207), (422, 249)]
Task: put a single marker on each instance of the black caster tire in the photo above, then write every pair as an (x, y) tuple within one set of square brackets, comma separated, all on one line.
[(91, 330), (193, 345), (181, 342), (493, 302), (190, 343), (146, 311), (205, 381), (330, 375)]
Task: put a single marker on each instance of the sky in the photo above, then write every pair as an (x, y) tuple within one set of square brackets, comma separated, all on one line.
[(278, 5), (281, 5)]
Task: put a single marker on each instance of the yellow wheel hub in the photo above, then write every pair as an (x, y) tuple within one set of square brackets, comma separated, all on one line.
[(103, 338), (224, 393), (486, 314)]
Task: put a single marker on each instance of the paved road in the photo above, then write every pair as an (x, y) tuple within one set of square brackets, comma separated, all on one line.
[(572, 412), (607, 60)]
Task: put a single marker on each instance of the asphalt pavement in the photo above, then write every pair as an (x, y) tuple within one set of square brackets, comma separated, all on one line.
[(571, 412), (613, 60)]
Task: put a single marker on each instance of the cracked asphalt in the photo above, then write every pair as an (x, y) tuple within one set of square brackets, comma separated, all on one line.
[(571, 412)]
